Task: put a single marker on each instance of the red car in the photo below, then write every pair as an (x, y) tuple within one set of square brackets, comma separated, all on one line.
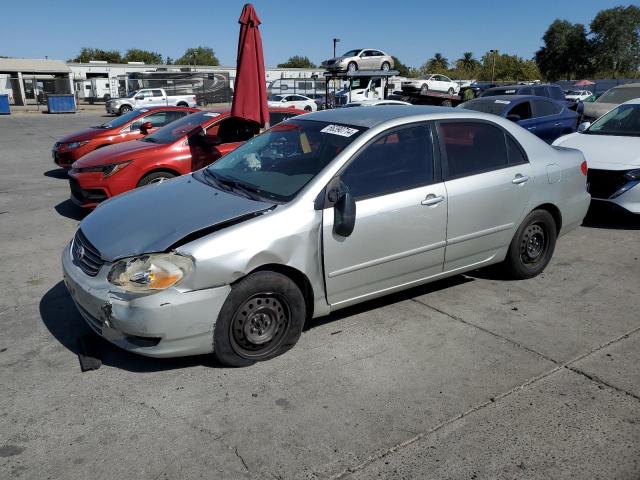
[(188, 144), (132, 126)]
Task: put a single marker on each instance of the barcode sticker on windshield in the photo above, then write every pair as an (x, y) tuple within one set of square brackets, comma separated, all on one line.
[(211, 114), (506, 102), (339, 130)]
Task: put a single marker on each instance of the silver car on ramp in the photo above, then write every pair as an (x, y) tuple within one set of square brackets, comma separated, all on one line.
[(320, 212)]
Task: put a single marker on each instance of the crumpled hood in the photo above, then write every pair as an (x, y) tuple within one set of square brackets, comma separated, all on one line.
[(604, 151), (596, 110), (118, 152), (153, 218), (81, 135)]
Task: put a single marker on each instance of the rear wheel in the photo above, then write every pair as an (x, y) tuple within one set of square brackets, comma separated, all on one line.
[(125, 109), (532, 246), (424, 89), (261, 318), (155, 177), (182, 104), (385, 66)]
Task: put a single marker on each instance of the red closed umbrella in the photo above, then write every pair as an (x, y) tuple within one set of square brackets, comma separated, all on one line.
[(250, 91), (583, 83)]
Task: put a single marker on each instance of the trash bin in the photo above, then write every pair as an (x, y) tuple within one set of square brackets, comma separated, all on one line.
[(61, 103), (4, 105)]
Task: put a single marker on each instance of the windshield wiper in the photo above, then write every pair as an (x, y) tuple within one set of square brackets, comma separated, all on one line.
[(250, 191)]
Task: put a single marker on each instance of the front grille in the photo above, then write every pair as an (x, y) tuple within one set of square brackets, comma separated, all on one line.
[(87, 256), (604, 183), (330, 62)]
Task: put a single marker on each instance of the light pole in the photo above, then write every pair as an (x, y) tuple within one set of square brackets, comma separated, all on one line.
[(335, 40), (493, 70)]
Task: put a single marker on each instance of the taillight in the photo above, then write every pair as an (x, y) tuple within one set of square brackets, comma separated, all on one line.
[(583, 167)]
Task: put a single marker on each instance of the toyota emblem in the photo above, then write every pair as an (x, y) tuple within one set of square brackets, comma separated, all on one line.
[(80, 252)]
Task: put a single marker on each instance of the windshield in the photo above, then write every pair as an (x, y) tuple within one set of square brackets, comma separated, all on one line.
[(619, 95), (132, 94), (281, 161), (122, 120), (352, 53), (487, 106), (176, 130), (621, 121)]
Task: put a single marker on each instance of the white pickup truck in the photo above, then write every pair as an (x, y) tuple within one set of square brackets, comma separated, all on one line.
[(148, 97)]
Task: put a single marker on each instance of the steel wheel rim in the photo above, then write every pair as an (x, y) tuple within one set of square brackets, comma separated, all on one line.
[(259, 325), (352, 67), (385, 67), (159, 180), (533, 245)]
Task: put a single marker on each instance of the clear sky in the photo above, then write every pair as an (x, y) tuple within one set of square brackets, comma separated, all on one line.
[(408, 29)]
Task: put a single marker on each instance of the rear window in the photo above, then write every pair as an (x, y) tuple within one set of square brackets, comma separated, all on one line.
[(619, 95), (495, 107)]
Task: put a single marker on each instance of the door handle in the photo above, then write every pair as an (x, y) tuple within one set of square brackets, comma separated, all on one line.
[(432, 199), (557, 124), (531, 128), (518, 179)]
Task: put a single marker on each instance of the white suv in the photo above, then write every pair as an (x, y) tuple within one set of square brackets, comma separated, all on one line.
[(436, 83)]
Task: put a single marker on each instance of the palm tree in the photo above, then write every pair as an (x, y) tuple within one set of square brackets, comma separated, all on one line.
[(438, 64), (467, 62)]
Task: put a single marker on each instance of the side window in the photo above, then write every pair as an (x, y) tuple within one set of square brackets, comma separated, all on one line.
[(544, 108), (523, 110), (540, 91), (515, 152), (526, 91), (156, 93), (173, 115), (397, 161), (157, 119), (232, 130), (472, 147), (556, 93)]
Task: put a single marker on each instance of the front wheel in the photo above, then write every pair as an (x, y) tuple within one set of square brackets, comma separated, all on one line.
[(125, 109), (155, 177), (352, 67), (308, 108), (424, 89), (451, 90), (532, 246), (261, 318)]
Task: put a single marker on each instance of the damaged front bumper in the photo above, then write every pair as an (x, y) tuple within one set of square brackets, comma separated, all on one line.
[(168, 323)]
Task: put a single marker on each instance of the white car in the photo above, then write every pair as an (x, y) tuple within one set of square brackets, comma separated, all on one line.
[(375, 103), (293, 101), (577, 95), (611, 146), (429, 82)]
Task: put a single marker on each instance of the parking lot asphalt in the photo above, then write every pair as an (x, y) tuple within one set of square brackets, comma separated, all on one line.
[(473, 377)]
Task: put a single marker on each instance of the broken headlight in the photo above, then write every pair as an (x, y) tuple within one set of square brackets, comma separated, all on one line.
[(146, 273)]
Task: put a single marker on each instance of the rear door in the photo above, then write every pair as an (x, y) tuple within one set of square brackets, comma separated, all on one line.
[(158, 98), (548, 120), (401, 217), (488, 183)]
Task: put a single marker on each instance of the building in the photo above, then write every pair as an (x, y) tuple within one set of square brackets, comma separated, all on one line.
[(28, 81)]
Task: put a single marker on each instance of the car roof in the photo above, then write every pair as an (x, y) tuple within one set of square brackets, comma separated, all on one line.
[(510, 97), (370, 117), (633, 101)]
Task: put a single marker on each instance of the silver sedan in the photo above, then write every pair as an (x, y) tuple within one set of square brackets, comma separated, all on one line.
[(322, 211), (360, 59)]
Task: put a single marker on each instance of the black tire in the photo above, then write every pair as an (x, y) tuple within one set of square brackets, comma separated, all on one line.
[(385, 66), (446, 103), (308, 108), (267, 306), (106, 97), (155, 177), (424, 89), (450, 91), (532, 246), (124, 109), (352, 67), (182, 104)]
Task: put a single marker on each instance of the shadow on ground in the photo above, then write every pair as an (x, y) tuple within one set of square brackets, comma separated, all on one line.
[(60, 315), (71, 210), (59, 173)]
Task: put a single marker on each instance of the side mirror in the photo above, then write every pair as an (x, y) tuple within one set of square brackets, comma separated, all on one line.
[(145, 127), (514, 118), (344, 214), (583, 126)]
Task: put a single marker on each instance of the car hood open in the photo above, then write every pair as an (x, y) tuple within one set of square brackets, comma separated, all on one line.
[(156, 217), (605, 152)]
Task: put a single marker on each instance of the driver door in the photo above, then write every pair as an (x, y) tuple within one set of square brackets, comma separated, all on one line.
[(401, 218)]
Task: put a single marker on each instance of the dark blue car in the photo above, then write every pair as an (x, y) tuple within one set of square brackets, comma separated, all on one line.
[(554, 92), (544, 117)]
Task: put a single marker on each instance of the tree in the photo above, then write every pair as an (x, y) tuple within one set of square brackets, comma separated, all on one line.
[(168, 61), (297, 61), (507, 68), (138, 55), (467, 62), (198, 56), (86, 54), (566, 52), (404, 70), (436, 64), (616, 37)]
